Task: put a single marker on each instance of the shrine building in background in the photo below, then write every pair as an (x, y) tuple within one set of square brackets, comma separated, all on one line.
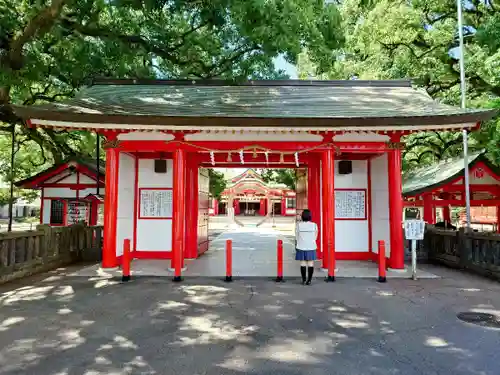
[(250, 195)]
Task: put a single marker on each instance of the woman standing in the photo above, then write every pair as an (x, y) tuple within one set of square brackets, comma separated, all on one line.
[(306, 233)]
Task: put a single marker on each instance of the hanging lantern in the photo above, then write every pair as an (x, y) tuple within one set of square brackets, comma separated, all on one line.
[(297, 159), (229, 157), (212, 157), (242, 160), (254, 154)]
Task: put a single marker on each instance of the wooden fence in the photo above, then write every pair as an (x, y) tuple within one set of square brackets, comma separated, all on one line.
[(478, 252), (46, 248)]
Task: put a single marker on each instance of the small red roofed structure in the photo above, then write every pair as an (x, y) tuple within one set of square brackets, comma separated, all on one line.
[(71, 192)]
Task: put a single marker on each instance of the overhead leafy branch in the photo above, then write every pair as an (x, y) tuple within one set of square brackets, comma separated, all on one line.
[(50, 49), (387, 39)]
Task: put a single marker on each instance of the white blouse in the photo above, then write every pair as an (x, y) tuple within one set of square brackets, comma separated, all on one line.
[(306, 233)]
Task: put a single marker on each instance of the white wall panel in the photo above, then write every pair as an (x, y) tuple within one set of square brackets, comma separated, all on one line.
[(71, 179), (352, 235), (154, 234), (265, 137), (361, 137), (58, 176), (380, 203), (356, 180), (46, 211), (126, 193), (84, 179), (59, 193), (149, 179)]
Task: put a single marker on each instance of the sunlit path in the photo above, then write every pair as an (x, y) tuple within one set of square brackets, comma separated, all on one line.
[(254, 254), (55, 324)]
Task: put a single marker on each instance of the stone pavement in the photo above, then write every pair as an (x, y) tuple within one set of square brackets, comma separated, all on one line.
[(254, 255), (60, 325)]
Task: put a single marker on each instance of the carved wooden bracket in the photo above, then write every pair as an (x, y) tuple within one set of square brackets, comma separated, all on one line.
[(395, 145), (114, 143)]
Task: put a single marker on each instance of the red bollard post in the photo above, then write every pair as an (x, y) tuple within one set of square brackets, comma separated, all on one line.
[(126, 259), (229, 260), (382, 274), (279, 250), (331, 266)]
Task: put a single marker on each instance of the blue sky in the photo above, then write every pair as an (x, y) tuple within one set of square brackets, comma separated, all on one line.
[(290, 69)]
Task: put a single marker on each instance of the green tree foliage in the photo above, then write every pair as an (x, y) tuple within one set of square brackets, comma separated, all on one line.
[(49, 49), (217, 183), (27, 159), (284, 176), (387, 39)]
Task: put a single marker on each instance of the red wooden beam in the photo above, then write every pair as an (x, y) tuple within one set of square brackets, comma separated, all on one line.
[(454, 202), (223, 146), (476, 188)]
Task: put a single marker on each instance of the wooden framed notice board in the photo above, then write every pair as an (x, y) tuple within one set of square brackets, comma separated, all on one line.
[(350, 204), (155, 203)]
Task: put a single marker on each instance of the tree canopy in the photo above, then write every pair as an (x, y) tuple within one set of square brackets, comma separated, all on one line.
[(49, 49), (284, 176), (387, 39)]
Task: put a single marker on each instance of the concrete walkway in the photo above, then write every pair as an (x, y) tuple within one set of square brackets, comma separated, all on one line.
[(254, 255), (55, 324)]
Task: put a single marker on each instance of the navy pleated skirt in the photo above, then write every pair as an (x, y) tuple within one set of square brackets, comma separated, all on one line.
[(305, 255)]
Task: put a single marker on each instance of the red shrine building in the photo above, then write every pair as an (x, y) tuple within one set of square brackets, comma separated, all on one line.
[(70, 192), (441, 186), (251, 195), (343, 136)]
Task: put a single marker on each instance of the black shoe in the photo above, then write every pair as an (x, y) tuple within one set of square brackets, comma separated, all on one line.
[(303, 273), (310, 271)]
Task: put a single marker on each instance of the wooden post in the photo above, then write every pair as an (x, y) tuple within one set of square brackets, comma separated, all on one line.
[(396, 259), (179, 212), (110, 208), (328, 199)]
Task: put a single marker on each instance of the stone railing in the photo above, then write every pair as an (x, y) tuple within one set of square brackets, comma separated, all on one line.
[(46, 248), (474, 251)]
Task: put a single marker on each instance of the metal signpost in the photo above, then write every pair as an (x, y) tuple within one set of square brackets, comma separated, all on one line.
[(414, 231)]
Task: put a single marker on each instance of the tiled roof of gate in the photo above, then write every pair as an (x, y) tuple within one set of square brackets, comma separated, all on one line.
[(208, 103), (430, 177)]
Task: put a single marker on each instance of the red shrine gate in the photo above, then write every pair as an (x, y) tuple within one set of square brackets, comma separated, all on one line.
[(159, 133)]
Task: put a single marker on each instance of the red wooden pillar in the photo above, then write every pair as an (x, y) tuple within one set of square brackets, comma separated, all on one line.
[(179, 212), (191, 241), (236, 204), (283, 206), (262, 207), (111, 209), (313, 197), (429, 216), (328, 212), (498, 219), (446, 214), (215, 203), (396, 259), (94, 213)]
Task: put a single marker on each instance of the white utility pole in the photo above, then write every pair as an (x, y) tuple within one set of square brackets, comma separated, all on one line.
[(462, 101)]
